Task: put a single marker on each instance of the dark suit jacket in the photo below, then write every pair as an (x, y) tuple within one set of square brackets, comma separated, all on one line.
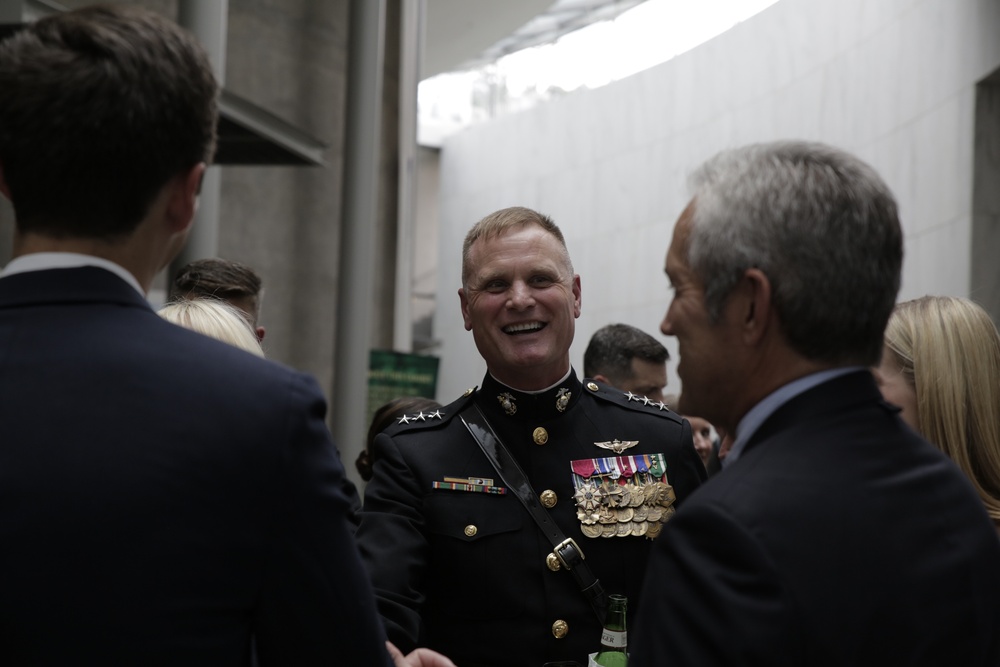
[(839, 538), (464, 572), (164, 496)]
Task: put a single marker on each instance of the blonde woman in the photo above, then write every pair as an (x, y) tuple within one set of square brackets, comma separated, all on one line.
[(213, 318), (941, 365)]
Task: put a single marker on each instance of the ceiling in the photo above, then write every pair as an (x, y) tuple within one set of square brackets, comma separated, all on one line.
[(461, 34), (458, 30)]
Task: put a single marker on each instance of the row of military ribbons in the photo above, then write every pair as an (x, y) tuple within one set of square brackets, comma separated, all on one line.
[(616, 496)]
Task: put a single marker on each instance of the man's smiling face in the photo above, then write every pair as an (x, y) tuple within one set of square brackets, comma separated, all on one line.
[(521, 301)]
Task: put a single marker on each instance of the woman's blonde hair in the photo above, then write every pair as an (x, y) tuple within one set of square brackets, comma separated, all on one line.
[(948, 349), (213, 318)]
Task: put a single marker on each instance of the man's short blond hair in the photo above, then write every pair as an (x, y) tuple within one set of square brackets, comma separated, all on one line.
[(498, 223)]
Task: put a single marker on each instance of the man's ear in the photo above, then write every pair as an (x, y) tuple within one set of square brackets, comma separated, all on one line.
[(465, 308), (755, 309), (183, 202), (577, 296), (602, 378)]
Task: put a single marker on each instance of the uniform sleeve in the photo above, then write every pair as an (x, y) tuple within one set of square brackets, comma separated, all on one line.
[(393, 544), (712, 597), (316, 603)]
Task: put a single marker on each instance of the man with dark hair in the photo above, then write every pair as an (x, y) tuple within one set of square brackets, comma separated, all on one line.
[(222, 279), (629, 359), (834, 535), (167, 498), (459, 563)]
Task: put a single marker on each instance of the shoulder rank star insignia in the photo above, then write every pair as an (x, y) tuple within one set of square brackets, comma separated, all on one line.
[(421, 416), (617, 446)]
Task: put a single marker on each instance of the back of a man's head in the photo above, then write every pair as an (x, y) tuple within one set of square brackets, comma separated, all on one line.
[(99, 108), (823, 227), (220, 279), (612, 348)]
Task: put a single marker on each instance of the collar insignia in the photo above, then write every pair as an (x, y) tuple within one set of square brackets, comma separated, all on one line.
[(562, 399), (507, 403)]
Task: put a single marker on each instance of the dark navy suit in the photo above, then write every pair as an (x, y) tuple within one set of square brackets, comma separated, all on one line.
[(839, 538), (164, 496)]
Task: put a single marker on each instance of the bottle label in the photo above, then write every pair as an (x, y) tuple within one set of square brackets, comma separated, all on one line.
[(604, 659), (614, 638)]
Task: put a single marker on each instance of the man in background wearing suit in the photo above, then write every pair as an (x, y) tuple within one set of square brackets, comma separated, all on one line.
[(164, 497), (834, 535)]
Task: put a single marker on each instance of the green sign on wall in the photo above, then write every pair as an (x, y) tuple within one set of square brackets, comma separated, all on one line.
[(394, 374)]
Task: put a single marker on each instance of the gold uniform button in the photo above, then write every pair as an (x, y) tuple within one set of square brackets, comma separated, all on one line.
[(470, 530), (548, 498), (540, 436), (469, 391), (592, 386), (560, 629), (552, 562)]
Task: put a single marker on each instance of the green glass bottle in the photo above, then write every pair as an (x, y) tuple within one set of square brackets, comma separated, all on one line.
[(614, 638)]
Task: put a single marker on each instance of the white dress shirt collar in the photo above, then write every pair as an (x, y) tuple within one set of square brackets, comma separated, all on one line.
[(41, 261)]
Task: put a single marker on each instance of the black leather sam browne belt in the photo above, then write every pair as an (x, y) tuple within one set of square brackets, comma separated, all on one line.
[(565, 549)]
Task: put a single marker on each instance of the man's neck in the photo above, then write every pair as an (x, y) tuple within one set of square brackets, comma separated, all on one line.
[(771, 372), (531, 382), (121, 254), (538, 389)]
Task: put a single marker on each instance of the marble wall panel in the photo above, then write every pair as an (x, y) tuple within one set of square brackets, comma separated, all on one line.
[(892, 81)]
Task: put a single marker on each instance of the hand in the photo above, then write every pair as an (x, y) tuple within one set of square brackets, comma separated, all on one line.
[(421, 657)]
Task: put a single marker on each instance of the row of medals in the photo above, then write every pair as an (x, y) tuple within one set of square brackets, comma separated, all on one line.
[(633, 509)]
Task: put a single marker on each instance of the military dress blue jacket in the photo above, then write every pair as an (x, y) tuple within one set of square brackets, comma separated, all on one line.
[(459, 565)]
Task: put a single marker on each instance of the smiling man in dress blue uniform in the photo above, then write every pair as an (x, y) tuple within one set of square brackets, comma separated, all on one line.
[(458, 563)]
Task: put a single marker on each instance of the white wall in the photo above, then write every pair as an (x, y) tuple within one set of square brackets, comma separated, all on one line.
[(890, 80)]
